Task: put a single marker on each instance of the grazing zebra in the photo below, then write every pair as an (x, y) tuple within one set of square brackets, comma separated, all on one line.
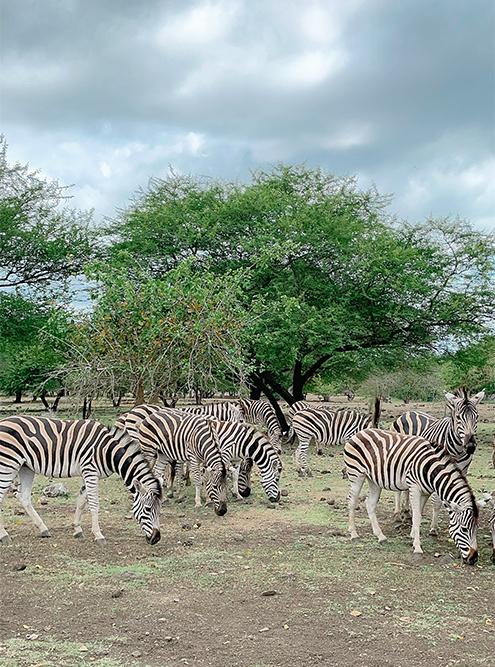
[(261, 413), (171, 436), (398, 462), (327, 428), (73, 448), (239, 442), (454, 433)]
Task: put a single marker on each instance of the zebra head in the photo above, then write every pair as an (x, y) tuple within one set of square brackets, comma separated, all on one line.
[(463, 527), (465, 416), (270, 477), (244, 479), (146, 508), (216, 487)]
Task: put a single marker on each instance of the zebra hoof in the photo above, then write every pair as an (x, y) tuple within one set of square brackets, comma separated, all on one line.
[(79, 534), (433, 533), (383, 542), (45, 533), (101, 542), (354, 540), (418, 555), (6, 539)]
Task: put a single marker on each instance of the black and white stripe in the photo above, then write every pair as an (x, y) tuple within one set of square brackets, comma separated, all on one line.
[(73, 448), (224, 411), (241, 443), (326, 428), (172, 436), (390, 460), (455, 433), (262, 414)]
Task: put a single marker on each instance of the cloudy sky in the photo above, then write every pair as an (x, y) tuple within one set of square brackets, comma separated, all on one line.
[(106, 93)]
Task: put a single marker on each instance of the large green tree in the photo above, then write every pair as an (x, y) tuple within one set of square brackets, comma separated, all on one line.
[(331, 272)]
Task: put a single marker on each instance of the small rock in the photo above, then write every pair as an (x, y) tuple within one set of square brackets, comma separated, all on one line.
[(42, 500), (55, 490), (197, 525), (186, 525), (18, 511), (284, 493), (117, 593), (327, 488), (136, 654), (101, 652), (181, 515), (322, 499), (238, 537), (446, 560), (128, 516), (264, 630), (331, 501), (168, 638), (325, 472), (267, 594), (20, 567), (130, 575)]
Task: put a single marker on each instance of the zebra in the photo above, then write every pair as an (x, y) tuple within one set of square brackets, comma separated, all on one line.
[(225, 411), (240, 442), (327, 428), (394, 461), (304, 405), (455, 433), (261, 413), (171, 436), (69, 448)]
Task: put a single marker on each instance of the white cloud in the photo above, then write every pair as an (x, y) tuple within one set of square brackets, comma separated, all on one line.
[(200, 25)]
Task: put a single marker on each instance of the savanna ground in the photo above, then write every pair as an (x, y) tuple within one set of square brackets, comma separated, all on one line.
[(264, 586)]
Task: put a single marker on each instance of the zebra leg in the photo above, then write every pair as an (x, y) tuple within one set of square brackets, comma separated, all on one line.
[(418, 501), (91, 484), (372, 499), (235, 480), (397, 496), (82, 499), (302, 458), (196, 471), (26, 479), (436, 504), (353, 498), (6, 482)]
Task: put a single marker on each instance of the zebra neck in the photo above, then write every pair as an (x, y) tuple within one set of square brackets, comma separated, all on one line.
[(131, 466), (450, 484)]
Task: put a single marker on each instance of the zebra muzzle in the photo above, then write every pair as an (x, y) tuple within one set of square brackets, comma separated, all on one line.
[(245, 493), (221, 509), (472, 557), (154, 537)]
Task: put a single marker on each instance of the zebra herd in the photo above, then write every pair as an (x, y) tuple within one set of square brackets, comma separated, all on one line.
[(419, 455)]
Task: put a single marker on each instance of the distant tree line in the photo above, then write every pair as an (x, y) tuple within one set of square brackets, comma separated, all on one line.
[(296, 281)]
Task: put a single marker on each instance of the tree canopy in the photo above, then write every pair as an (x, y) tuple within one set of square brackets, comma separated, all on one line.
[(330, 271), (41, 241)]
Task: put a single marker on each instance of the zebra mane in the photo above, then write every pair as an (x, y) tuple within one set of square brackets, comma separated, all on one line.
[(131, 445)]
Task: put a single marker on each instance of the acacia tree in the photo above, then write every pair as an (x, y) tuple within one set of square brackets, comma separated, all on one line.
[(331, 272), (153, 336)]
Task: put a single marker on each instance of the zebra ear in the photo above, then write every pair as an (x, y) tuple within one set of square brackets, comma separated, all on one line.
[(478, 397), (140, 488), (454, 507), (452, 399)]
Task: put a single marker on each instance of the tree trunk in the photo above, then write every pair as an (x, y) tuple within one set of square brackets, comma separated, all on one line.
[(376, 412), (87, 407), (258, 382), (54, 407), (139, 400), (18, 397)]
